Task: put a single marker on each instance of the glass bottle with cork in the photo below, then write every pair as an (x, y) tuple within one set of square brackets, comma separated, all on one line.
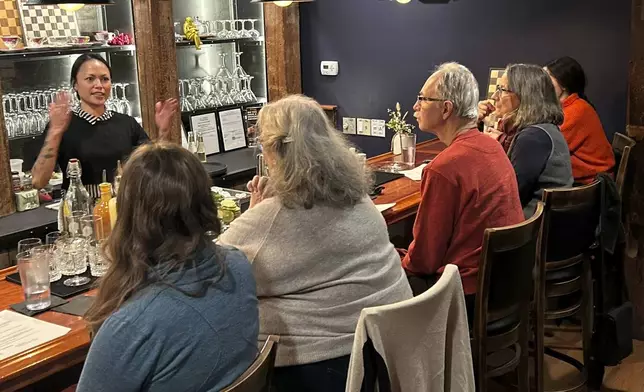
[(201, 148), (76, 197)]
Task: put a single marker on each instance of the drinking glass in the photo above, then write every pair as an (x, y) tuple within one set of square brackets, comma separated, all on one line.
[(98, 264), (247, 91), (34, 278), (52, 237), (74, 254), (254, 33), (28, 243), (409, 149), (74, 223), (224, 81), (49, 252), (234, 33)]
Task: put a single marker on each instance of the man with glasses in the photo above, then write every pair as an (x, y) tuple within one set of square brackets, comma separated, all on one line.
[(467, 188)]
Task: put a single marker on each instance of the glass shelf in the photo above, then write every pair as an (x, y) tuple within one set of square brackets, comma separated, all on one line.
[(260, 101), (53, 52), (214, 41)]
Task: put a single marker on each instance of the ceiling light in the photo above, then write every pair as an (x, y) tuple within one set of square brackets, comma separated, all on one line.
[(71, 7), (282, 3)]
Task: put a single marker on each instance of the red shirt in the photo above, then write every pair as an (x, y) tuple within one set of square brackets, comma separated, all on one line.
[(590, 151), (469, 187)]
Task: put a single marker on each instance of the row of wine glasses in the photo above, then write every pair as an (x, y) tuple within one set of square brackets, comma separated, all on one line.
[(27, 113), (222, 29), (223, 89)]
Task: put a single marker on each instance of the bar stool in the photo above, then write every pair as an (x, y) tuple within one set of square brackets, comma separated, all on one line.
[(564, 280), (504, 293), (257, 378)]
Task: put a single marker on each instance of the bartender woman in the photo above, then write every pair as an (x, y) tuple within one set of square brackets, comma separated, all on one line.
[(96, 136)]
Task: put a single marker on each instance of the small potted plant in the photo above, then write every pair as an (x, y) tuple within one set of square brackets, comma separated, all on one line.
[(404, 139)]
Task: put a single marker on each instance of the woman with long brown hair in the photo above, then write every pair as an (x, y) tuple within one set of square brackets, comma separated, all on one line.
[(174, 312)]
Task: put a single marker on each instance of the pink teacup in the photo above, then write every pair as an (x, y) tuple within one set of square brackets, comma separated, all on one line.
[(36, 42), (80, 39), (104, 36), (11, 41)]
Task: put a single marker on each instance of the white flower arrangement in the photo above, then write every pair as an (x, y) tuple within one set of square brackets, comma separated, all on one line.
[(397, 121)]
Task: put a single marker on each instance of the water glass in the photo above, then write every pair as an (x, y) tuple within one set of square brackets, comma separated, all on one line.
[(49, 252), (51, 238), (98, 264), (409, 149), (28, 243), (34, 278), (73, 222)]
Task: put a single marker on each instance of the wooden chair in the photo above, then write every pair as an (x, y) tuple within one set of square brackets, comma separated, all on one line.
[(505, 289), (622, 146), (565, 285), (258, 376)]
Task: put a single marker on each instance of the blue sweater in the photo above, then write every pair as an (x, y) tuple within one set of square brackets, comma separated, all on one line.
[(163, 340)]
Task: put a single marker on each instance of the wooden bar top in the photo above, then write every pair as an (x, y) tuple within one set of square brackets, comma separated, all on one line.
[(27, 367), (30, 366), (403, 191)]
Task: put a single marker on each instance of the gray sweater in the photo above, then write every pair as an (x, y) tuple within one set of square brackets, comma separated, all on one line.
[(315, 271)]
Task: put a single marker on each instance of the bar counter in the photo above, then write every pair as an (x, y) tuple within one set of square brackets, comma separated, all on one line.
[(28, 367)]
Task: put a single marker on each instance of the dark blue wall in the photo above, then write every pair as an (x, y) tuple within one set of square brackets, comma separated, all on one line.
[(386, 50)]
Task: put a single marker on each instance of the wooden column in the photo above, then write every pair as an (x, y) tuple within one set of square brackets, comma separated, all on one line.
[(284, 69), (636, 80), (7, 202), (157, 60)]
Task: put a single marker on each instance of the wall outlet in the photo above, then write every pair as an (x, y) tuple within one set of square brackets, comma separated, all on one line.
[(364, 127), (378, 128), (349, 125), (329, 68)]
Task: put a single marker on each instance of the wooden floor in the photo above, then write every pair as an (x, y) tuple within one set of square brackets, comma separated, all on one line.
[(627, 377)]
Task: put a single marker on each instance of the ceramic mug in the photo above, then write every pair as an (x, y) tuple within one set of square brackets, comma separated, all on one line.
[(79, 39), (104, 36)]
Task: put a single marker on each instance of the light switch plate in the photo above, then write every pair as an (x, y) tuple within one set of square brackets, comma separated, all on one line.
[(378, 128), (349, 125), (364, 127), (329, 68)]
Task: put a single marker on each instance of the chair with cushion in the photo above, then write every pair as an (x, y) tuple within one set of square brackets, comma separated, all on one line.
[(569, 245), (505, 289), (257, 378)]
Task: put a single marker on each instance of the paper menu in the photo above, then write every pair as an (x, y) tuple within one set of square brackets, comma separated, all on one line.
[(232, 129), (20, 333), (384, 207), (414, 174), (206, 124)]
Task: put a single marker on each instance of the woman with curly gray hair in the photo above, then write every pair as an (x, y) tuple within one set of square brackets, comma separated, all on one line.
[(320, 249)]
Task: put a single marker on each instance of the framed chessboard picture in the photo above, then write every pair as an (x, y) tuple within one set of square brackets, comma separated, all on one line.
[(495, 75), (10, 18), (47, 20)]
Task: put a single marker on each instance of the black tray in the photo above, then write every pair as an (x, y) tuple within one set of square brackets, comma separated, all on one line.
[(382, 177), (58, 288)]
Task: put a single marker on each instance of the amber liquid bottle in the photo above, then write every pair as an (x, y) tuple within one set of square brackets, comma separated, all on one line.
[(102, 210)]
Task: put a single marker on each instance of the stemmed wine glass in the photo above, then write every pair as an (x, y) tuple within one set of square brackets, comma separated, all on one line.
[(248, 91), (254, 33), (123, 102), (224, 81), (185, 104)]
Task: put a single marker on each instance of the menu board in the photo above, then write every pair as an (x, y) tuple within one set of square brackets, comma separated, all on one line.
[(206, 125), (232, 129)]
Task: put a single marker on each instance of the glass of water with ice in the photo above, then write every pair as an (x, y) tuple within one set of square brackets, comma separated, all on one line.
[(34, 277)]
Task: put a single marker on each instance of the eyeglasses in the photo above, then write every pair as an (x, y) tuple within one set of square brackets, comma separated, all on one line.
[(429, 99), (501, 90)]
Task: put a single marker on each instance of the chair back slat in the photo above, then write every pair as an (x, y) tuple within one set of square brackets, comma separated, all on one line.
[(257, 378)]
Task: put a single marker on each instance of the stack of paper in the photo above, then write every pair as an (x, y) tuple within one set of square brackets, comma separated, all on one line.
[(414, 174), (20, 333)]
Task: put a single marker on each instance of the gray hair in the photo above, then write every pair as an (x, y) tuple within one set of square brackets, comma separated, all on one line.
[(313, 163), (538, 101), (458, 85)]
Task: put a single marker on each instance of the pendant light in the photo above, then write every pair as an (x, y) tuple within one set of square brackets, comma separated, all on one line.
[(282, 3), (69, 2), (71, 7)]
